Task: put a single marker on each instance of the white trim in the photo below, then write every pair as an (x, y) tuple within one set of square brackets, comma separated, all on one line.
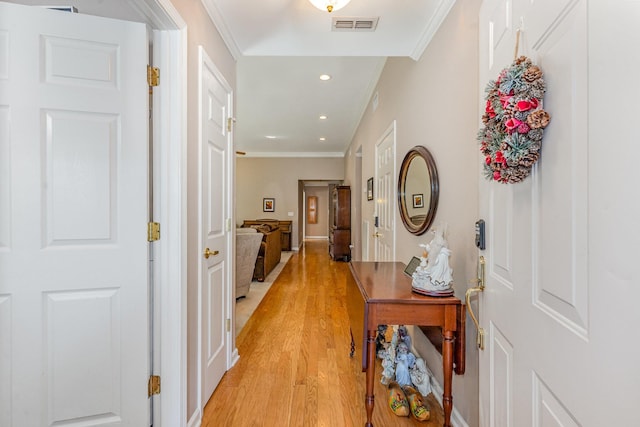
[(456, 418), (304, 211), (235, 356), (169, 165), (298, 154), (432, 28), (317, 237), (195, 420), (160, 14), (170, 136), (218, 21)]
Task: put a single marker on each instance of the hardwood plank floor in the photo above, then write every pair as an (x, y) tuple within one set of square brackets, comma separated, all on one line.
[(294, 367)]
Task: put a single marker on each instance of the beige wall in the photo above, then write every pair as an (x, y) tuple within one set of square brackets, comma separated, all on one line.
[(321, 228), (434, 103), (200, 31), (278, 178)]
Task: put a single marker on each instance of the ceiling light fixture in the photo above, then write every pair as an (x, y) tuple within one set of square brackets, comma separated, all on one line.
[(322, 138), (329, 5), (270, 137), (323, 117), (325, 77)]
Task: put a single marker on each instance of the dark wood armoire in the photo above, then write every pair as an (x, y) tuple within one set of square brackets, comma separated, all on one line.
[(340, 223)]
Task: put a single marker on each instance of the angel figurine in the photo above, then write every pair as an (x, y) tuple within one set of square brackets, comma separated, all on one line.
[(421, 377), (436, 277)]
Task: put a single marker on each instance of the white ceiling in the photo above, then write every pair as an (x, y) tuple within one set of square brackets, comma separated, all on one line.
[(282, 47), (283, 96)]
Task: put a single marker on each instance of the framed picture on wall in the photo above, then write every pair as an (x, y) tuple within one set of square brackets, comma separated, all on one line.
[(418, 201), (370, 189), (268, 205)]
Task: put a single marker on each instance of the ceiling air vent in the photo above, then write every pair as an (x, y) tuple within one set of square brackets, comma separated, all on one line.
[(354, 24)]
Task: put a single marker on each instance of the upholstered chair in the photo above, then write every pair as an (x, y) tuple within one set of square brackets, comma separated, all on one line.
[(247, 245)]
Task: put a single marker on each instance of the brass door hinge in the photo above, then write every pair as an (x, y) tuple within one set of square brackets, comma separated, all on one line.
[(153, 76), (153, 231), (154, 385), (228, 324), (230, 122)]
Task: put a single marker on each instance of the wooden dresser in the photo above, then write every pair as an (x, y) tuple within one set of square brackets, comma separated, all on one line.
[(284, 225), (340, 223), (379, 293)]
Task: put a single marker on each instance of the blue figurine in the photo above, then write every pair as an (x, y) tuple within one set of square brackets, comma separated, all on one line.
[(404, 360)]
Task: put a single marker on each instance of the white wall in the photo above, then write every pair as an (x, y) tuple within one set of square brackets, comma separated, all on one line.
[(434, 102), (200, 31)]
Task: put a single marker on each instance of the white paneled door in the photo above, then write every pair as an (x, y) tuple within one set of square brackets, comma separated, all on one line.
[(551, 358), (384, 193), (73, 213), (215, 114)]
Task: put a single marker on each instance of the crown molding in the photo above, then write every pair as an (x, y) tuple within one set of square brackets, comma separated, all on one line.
[(298, 154), (227, 37), (432, 27)]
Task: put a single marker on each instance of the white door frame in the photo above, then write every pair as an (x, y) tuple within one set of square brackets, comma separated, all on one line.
[(391, 130), (170, 207), (232, 355)]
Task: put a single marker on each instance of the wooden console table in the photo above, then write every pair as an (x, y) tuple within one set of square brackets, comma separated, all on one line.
[(379, 293)]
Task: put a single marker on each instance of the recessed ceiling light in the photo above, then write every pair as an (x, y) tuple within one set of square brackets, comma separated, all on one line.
[(323, 117), (325, 77), (322, 138), (270, 137)]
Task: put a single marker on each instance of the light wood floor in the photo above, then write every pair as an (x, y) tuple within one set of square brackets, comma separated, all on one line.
[(294, 367)]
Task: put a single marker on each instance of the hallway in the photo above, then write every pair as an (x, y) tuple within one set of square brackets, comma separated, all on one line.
[(294, 367)]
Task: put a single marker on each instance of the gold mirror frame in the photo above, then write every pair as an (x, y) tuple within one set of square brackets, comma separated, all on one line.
[(418, 224)]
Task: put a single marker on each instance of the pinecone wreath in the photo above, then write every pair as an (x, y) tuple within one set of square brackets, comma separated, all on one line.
[(513, 122)]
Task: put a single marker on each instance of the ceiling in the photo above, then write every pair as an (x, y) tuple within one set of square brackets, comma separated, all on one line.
[(283, 46)]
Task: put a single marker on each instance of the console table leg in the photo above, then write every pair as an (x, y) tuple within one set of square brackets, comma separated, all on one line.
[(353, 344), (447, 363), (371, 373)]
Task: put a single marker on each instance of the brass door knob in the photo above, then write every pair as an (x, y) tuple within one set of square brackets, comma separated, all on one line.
[(208, 253)]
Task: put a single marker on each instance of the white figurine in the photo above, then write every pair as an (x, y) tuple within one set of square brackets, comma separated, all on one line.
[(420, 376), (440, 274), (388, 369), (436, 277), (404, 360)]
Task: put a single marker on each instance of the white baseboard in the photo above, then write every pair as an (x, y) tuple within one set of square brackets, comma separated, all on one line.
[(235, 356), (456, 418), (317, 237), (195, 420)]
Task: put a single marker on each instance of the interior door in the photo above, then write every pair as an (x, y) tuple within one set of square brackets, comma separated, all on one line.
[(550, 332), (384, 193), (73, 210), (215, 109)]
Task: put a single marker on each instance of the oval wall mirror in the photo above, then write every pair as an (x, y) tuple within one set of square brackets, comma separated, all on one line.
[(418, 190)]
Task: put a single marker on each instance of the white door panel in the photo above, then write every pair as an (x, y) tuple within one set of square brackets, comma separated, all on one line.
[(385, 196), (215, 108), (548, 357), (73, 208)]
